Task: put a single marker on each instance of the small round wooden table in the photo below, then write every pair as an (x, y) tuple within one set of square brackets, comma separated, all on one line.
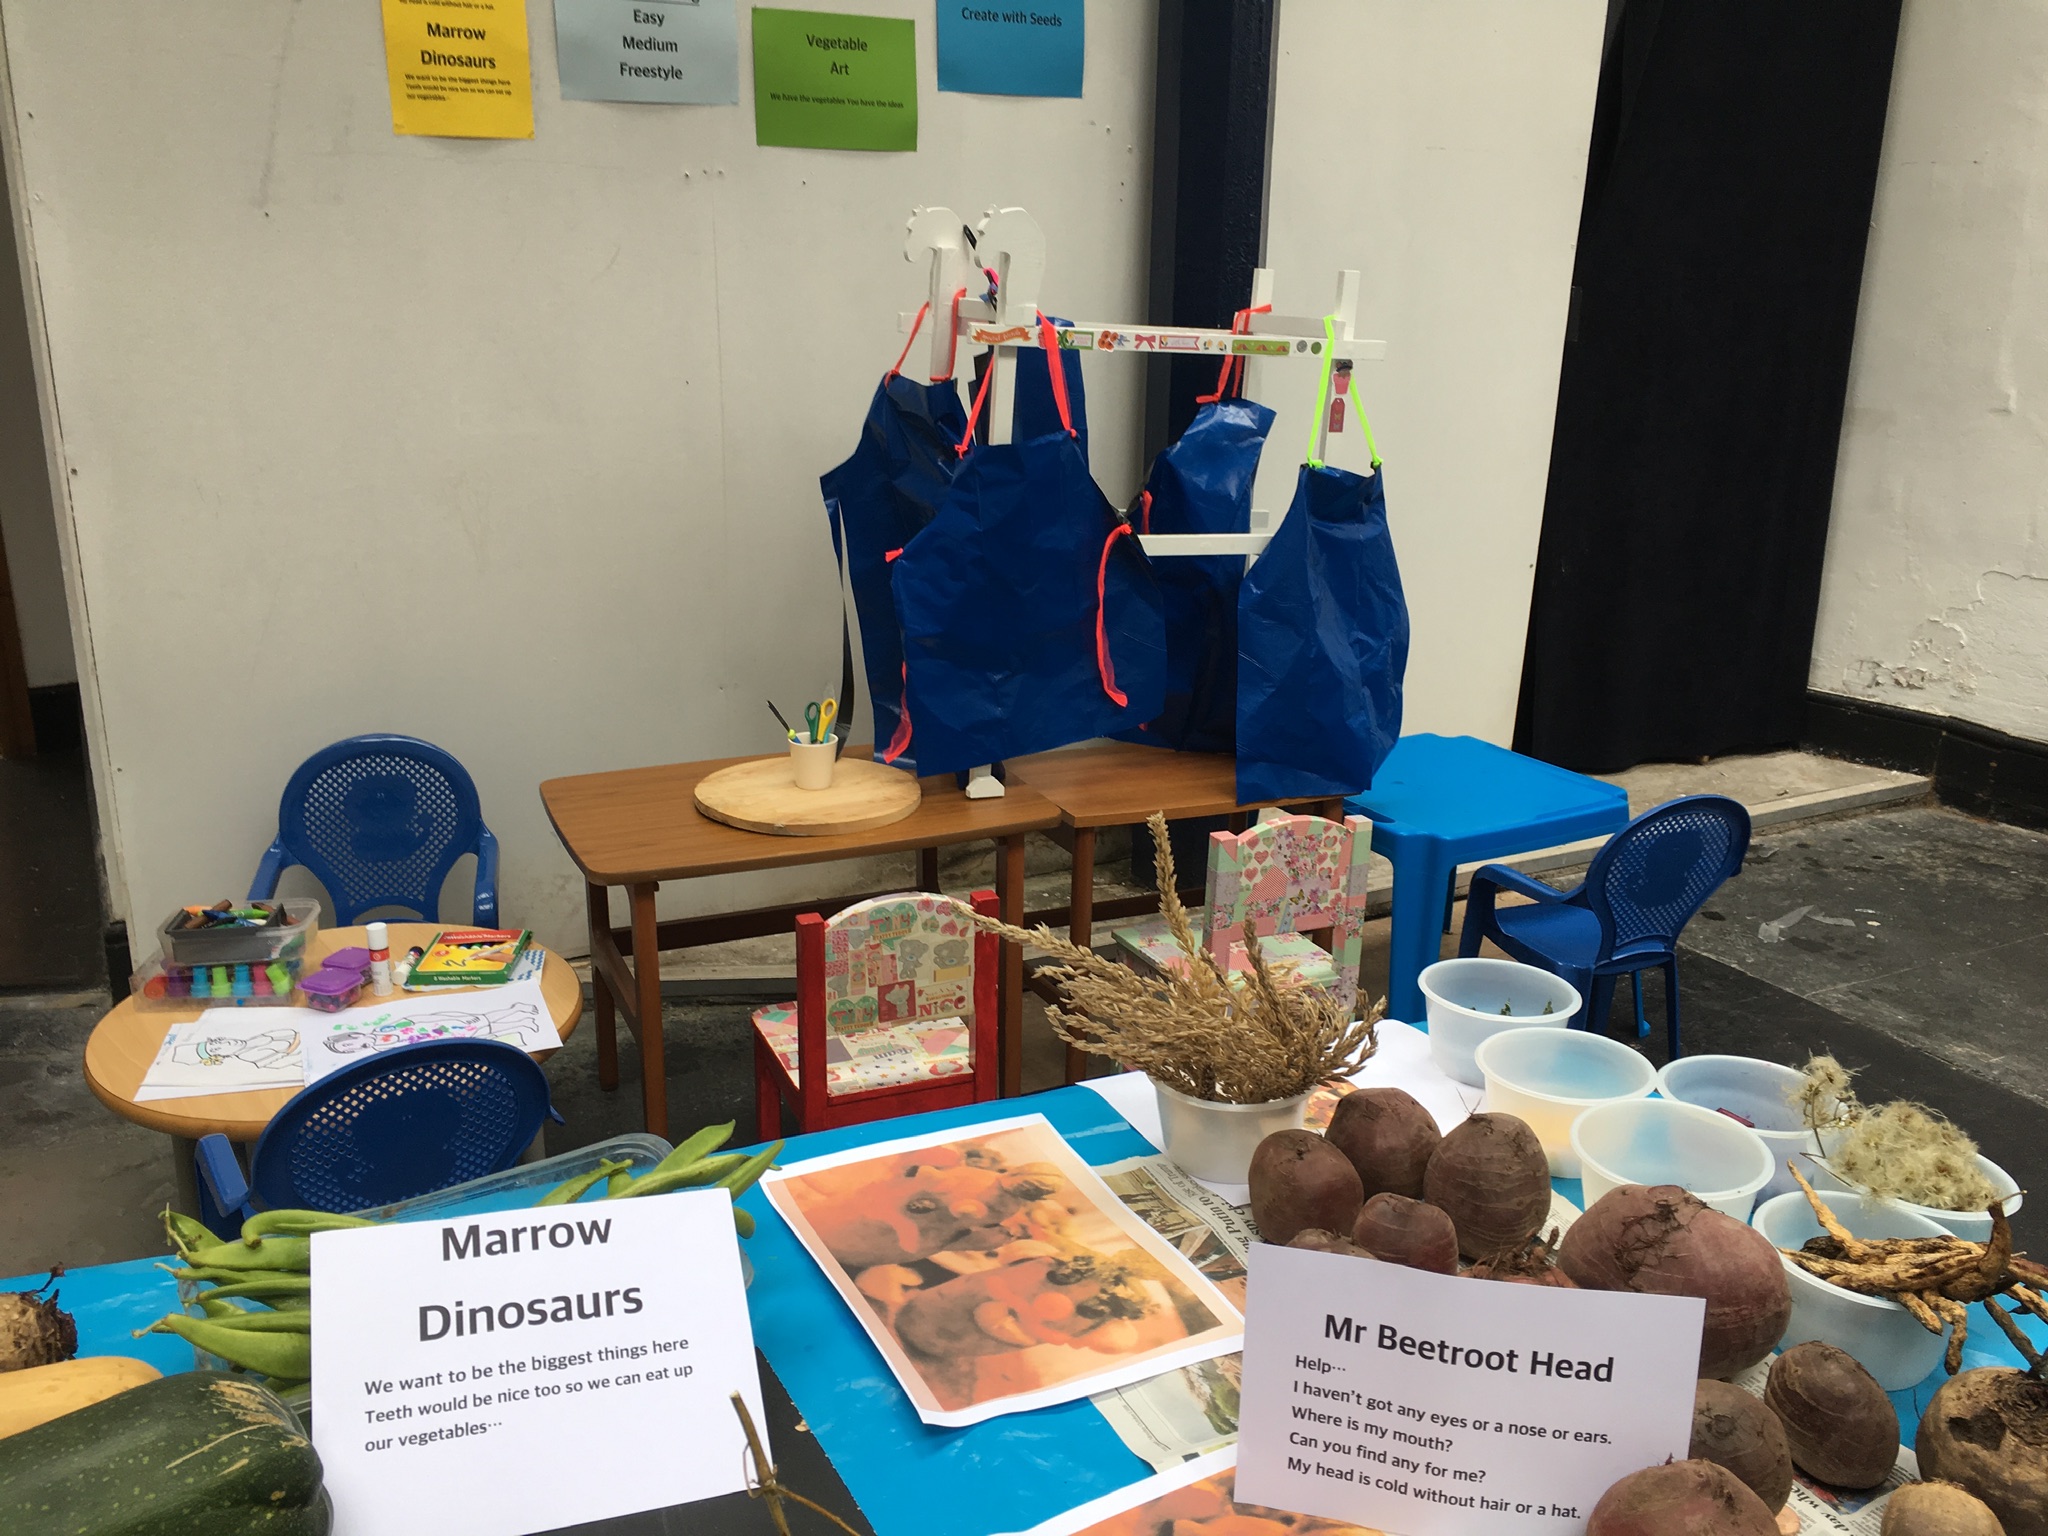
[(126, 1041)]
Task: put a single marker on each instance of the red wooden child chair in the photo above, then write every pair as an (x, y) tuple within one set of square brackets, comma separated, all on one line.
[(895, 1013)]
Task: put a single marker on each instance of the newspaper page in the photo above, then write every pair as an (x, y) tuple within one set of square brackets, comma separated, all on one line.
[(1822, 1509), (1173, 1418)]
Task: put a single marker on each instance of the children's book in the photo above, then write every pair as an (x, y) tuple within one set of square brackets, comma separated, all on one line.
[(470, 957)]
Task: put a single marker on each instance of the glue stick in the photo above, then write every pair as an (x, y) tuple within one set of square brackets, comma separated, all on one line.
[(380, 959)]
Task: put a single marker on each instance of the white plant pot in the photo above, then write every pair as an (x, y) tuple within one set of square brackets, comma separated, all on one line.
[(1216, 1141)]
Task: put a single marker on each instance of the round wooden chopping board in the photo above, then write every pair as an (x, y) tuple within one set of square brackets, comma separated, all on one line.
[(762, 796)]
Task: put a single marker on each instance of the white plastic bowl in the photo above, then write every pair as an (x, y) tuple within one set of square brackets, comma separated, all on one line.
[(1972, 1225), (1882, 1335), (1759, 1091), (1549, 1077), (1216, 1141), (1660, 1141), (1465, 998)]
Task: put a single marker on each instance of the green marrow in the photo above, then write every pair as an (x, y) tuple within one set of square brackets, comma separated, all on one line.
[(198, 1454)]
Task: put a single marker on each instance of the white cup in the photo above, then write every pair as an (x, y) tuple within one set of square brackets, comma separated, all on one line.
[(810, 762)]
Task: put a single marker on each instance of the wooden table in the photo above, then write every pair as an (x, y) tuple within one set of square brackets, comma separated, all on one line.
[(1115, 784), (639, 826), (127, 1038)]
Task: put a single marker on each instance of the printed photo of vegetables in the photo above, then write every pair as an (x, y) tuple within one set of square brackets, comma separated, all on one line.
[(996, 1272), (1195, 1499)]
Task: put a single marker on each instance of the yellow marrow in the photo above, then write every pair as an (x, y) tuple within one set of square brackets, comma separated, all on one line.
[(45, 1392)]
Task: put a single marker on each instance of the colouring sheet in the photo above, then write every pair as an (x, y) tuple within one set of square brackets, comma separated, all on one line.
[(515, 1013), (228, 1050)]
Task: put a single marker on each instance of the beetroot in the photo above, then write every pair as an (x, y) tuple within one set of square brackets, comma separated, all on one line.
[(1733, 1429), (1841, 1427), (1987, 1431), (1681, 1498), (1389, 1138), (1491, 1178), (1661, 1241), (1403, 1231), (1316, 1240), (1535, 1264), (1299, 1180), (1938, 1509)]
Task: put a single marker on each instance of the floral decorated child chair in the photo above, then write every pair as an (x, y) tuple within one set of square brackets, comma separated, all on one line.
[(895, 1014), (1288, 876)]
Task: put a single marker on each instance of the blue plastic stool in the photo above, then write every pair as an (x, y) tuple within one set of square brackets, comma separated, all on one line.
[(1441, 801), (396, 1124)]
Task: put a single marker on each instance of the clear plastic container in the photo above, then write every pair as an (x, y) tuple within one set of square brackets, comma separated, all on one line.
[(241, 946), (1550, 1077), (1473, 998), (1761, 1092), (1882, 1336), (157, 985), (1658, 1141)]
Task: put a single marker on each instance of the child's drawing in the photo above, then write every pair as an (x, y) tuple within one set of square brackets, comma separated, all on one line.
[(518, 1025), (274, 1048), (228, 1050), (515, 1013)]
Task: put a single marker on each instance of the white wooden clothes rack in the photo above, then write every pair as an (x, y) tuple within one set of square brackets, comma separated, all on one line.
[(1009, 242)]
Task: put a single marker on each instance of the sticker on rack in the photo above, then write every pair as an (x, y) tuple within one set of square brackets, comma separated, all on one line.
[(1110, 341), (1076, 341), (1260, 346), (988, 336)]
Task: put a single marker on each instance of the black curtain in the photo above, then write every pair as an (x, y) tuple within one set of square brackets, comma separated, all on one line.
[(1210, 105), (1728, 195)]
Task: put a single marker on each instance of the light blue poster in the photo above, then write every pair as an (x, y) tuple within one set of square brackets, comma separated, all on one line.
[(1035, 49), (648, 50)]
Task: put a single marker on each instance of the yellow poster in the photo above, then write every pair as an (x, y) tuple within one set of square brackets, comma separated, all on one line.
[(459, 68)]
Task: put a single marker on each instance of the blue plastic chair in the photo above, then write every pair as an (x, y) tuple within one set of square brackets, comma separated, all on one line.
[(1442, 801), (380, 820), (1625, 918), (400, 1123)]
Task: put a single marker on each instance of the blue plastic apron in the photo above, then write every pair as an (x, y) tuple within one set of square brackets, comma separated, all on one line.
[(1322, 638), (877, 502), (1202, 483), (1030, 619)]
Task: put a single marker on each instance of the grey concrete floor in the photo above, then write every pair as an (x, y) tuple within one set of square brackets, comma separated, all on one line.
[(1924, 924), (49, 882)]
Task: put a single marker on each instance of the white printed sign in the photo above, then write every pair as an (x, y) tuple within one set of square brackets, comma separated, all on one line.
[(1435, 1405), (522, 1370)]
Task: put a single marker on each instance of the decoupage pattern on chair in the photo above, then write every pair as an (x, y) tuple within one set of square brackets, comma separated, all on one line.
[(1289, 873), (898, 958), (899, 996), (860, 1060)]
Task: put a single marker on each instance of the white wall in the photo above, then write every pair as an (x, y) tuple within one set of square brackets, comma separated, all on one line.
[(1935, 593), (1441, 150), (510, 445)]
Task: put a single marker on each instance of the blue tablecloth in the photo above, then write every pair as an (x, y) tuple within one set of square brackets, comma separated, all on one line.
[(1004, 1475)]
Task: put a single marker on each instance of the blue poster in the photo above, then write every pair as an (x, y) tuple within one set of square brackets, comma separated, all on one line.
[(1033, 49), (648, 50)]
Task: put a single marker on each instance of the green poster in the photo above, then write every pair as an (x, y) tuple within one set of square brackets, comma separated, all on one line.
[(827, 81)]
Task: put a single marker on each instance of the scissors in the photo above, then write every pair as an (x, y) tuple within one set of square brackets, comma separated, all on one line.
[(819, 718)]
